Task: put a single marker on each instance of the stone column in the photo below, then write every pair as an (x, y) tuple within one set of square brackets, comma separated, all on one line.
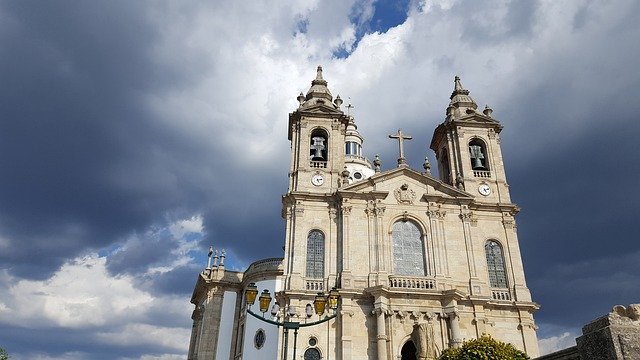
[(456, 336), (346, 247), (346, 315), (381, 336)]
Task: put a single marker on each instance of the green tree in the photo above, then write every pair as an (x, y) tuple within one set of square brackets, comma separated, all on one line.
[(484, 348), (3, 354)]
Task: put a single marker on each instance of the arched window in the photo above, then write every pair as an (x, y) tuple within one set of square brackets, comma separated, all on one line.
[(318, 145), (478, 155), (315, 254), (312, 354), (445, 170), (408, 252), (495, 265)]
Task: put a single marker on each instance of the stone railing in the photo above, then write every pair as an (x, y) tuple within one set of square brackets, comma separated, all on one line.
[(273, 265), (359, 158), (411, 282), (482, 173), (318, 164), (315, 285), (502, 295)]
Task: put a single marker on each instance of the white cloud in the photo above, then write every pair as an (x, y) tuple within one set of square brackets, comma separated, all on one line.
[(81, 294), (555, 343), (145, 334), (112, 311)]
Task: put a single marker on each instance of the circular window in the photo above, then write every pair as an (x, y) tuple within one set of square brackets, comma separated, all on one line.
[(259, 339), (313, 341), (312, 354), (357, 175)]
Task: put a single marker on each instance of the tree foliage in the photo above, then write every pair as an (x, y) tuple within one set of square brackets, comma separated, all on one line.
[(3, 354), (484, 348)]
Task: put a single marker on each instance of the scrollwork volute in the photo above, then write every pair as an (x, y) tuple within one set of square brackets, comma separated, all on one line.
[(346, 210)]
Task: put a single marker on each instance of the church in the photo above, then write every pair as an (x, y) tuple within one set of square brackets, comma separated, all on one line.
[(377, 264)]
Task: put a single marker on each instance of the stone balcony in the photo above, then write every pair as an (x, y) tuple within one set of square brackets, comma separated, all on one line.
[(412, 282)]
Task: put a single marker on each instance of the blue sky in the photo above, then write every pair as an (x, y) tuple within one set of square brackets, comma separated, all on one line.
[(135, 134)]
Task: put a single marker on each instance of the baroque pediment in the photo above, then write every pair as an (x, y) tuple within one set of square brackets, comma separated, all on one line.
[(405, 186)]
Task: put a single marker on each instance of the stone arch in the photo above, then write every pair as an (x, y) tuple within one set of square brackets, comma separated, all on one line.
[(408, 351)]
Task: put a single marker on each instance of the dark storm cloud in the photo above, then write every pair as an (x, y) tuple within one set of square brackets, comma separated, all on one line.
[(83, 160), (140, 254), (578, 222), (178, 281)]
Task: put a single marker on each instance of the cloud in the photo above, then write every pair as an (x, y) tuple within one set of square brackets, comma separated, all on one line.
[(556, 343), (109, 312), (135, 136)]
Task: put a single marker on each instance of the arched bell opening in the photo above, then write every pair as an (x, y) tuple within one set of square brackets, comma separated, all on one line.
[(318, 145), (444, 168), (408, 351), (478, 155)]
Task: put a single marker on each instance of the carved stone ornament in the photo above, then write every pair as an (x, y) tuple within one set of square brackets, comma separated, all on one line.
[(632, 311), (404, 195)]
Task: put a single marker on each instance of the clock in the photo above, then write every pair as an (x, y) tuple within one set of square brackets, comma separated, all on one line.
[(317, 180), (484, 189)]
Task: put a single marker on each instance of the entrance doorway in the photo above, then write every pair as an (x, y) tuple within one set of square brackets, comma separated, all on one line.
[(408, 351)]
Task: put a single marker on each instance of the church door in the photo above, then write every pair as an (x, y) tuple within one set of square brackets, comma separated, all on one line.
[(408, 351)]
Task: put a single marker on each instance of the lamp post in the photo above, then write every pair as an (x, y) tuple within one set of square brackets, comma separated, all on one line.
[(319, 306)]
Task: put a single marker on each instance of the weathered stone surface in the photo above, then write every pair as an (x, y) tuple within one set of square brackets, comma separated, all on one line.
[(615, 336)]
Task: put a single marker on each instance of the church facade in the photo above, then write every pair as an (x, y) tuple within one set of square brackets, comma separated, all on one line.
[(421, 263)]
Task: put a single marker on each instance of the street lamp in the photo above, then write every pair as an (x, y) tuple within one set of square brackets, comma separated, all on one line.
[(320, 303)]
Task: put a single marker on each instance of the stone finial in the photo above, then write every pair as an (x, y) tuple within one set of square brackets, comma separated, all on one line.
[(487, 111), (345, 177), (215, 259), (319, 73), (223, 254), (460, 99), (301, 98), (337, 101), (377, 163), (427, 166), (457, 84), (459, 182), (209, 257)]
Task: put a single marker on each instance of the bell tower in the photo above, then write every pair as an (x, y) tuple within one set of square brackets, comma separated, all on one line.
[(467, 147), (317, 133)]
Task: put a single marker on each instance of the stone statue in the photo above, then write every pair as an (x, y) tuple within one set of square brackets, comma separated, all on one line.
[(423, 338)]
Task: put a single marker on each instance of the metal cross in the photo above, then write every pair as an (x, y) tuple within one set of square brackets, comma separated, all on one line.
[(401, 137)]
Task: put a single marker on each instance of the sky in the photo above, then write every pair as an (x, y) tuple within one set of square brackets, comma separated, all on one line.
[(134, 135)]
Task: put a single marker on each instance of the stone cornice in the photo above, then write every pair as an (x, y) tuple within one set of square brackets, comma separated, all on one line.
[(494, 207)]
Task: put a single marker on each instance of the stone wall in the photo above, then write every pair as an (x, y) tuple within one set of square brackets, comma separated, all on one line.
[(615, 336)]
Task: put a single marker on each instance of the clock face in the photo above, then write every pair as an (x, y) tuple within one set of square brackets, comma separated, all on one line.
[(317, 180), (484, 189)]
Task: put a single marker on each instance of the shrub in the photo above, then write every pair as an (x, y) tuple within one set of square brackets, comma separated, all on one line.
[(484, 348)]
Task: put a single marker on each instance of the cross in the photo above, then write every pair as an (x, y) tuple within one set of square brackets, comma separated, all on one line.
[(401, 137)]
